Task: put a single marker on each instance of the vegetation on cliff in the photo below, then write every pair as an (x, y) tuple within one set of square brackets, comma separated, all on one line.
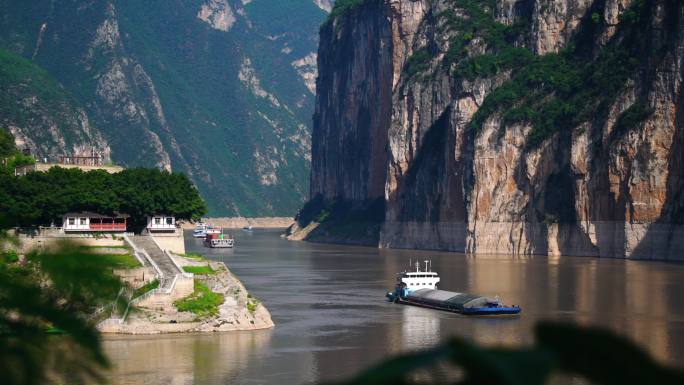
[(558, 92), (341, 7), (554, 92)]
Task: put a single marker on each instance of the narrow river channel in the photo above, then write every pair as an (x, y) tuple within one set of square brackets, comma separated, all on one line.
[(332, 318)]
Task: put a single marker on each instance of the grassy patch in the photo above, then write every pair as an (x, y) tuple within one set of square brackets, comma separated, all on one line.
[(144, 289), (202, 301), (202, 270), (118, 261), (8, 257), (106, 247), (195, 256)]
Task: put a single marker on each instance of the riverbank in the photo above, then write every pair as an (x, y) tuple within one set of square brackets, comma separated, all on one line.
[(238, 311), (240, 222)]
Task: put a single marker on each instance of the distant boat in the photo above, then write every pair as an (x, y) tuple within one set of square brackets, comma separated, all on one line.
[(419, 288), (200, 230), (247, 228), (213, 230)]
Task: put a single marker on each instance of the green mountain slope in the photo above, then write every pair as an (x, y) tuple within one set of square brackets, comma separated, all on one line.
[(213, 88), (40, 112)]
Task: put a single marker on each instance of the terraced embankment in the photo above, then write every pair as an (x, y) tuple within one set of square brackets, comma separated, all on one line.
[(214, 299)]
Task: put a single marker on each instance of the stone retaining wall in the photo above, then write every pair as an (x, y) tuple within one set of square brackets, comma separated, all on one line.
[(47, 237)]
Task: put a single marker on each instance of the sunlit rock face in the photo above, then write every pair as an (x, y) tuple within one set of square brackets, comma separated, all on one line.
[(218, 14), (597, 187)]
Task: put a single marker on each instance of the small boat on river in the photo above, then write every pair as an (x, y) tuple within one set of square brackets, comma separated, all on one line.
[(219, 241), (419, 288), (202, 229)]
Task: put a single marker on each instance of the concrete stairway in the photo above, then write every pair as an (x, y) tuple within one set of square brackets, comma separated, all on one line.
[(163, 261)]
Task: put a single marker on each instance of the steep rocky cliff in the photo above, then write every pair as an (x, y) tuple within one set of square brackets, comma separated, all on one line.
[(502, 126), (219, 89)]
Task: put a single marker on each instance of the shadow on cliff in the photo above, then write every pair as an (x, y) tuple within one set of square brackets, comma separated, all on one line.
[(662, 239), (342, 221)]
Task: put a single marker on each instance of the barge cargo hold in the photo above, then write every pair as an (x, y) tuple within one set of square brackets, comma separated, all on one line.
[(461, 303), (419, 288)]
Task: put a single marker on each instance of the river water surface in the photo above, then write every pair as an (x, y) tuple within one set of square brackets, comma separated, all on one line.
[(332, 319)]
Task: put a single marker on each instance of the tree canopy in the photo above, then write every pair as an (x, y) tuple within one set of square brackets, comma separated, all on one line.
[(41, 198)]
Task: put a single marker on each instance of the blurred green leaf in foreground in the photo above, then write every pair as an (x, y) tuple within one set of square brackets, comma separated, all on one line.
[(49, 303), (597, 355)]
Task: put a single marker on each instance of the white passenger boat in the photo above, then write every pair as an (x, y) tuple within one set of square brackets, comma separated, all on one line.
[(202, 229), (213, 230)]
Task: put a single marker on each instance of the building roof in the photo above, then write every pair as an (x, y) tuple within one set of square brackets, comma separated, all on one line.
[(91, 214)]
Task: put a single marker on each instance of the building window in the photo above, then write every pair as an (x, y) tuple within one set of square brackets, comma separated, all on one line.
[(72, 221), (83, 221), (157, 221), (169, 220)]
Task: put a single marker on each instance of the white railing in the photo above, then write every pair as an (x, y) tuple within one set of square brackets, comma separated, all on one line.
[(140, 259), (136, 249), (168, 255), (179, 267), (112, 305), (160, 289)]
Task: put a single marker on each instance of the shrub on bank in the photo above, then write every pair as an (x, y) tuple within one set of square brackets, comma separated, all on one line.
[(202, 301), (144, 289)]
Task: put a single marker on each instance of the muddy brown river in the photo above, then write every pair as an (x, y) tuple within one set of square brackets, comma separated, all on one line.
[(332, 319)]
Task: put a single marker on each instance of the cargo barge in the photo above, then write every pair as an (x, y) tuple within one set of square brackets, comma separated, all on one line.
[(419, 288), (219, 241)]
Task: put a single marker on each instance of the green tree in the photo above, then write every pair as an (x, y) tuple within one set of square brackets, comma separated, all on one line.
[(10, 157), (41, 198), (7, 147)]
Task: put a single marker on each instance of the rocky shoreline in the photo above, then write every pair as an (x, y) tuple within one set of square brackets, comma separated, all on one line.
[(239, 311)]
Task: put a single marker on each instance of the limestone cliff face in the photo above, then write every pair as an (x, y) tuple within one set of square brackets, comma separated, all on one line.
[(453, 123)]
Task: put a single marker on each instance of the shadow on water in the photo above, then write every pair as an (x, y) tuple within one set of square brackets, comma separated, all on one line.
[(332, 320)]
